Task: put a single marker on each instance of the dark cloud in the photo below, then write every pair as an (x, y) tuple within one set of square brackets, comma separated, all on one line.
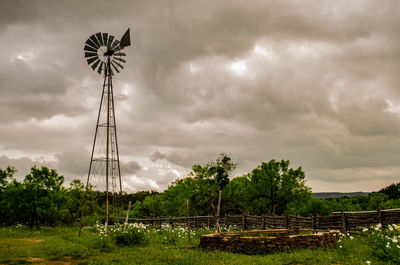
[(131, 167), (315, 82)]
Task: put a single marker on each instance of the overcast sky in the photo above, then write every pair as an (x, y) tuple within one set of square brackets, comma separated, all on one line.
[(314, 82)]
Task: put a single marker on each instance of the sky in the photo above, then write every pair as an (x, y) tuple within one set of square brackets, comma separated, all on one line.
[(315, 82)]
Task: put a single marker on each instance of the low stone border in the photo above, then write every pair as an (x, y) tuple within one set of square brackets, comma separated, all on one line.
[(267, 241)]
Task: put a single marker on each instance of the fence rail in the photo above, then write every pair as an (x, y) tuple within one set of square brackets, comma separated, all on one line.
[(344, 221)]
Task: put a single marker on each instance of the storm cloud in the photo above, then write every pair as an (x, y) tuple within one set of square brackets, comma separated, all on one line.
[(315, 82)]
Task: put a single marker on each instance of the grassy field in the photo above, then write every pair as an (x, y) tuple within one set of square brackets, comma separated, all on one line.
[(61, 245)]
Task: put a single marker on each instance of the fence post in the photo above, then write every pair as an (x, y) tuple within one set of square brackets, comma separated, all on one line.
[(226, 220), (244, 222), (208, 221), (380, 217), (287, 221), (217, 227), (188, 222), (344, 228), (313, 222), (127, 216), (263, 222)]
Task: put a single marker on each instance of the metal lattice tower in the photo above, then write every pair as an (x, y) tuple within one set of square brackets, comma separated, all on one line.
[(103, 54)]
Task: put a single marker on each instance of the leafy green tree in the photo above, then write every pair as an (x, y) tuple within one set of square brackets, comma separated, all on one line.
[(236, 197), (392, 191), (8, 173), (318, 207), (44, 198), (151, 205), (137, 210), (75, 194), (39, 200), (217, 172), (212, 176), (376, 200), (274, 186), (391, 204), (10, 190)]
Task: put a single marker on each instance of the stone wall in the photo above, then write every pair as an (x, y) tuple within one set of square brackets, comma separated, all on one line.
[(269, 240)]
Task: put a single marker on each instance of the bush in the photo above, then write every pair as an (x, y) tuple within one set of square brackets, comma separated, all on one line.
[(132, 236), (385, 243)]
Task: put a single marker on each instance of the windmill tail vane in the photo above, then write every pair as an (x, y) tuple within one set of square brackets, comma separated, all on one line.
[(125, 40), (103, 53)]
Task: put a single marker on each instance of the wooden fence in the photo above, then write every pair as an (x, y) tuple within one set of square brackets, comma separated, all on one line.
[(344, 221)]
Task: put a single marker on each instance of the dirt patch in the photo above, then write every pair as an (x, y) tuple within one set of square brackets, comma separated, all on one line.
[(40, 261), (29, 240), (32, 259), (68, 261)]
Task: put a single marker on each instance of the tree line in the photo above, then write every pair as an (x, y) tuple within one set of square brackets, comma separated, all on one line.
[(271, 188)]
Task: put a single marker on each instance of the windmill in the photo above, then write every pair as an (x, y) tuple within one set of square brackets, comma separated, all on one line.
[(103, 53)]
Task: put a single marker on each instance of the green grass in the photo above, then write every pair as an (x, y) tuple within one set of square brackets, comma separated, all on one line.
[(63, 243)]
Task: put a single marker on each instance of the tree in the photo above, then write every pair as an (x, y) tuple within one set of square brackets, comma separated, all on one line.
[(392, 191), (8, 173), (75, 194), (376, 200), (217, 172), (274, 187), (151, 205), (236, 196), (8, 193), (44, 199), (195, 187), (39, 200)]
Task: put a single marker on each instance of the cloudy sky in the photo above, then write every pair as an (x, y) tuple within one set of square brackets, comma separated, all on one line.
[(315, 82)]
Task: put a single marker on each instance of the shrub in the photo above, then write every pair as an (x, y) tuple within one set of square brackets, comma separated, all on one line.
[(132, 236), (385, 243)]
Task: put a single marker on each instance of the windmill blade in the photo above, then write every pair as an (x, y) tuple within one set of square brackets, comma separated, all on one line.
[(99, 38), (90, 54), (100, 68), (118, 64), (105, 38), (94, 39), (91, 43), (115, 44), (116, 69), (119, 59), (91, 60), (110, 40), (89, 49), (95, 64), (96, 56)]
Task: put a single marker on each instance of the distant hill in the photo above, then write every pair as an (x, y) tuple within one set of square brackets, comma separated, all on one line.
[(326, 195)]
